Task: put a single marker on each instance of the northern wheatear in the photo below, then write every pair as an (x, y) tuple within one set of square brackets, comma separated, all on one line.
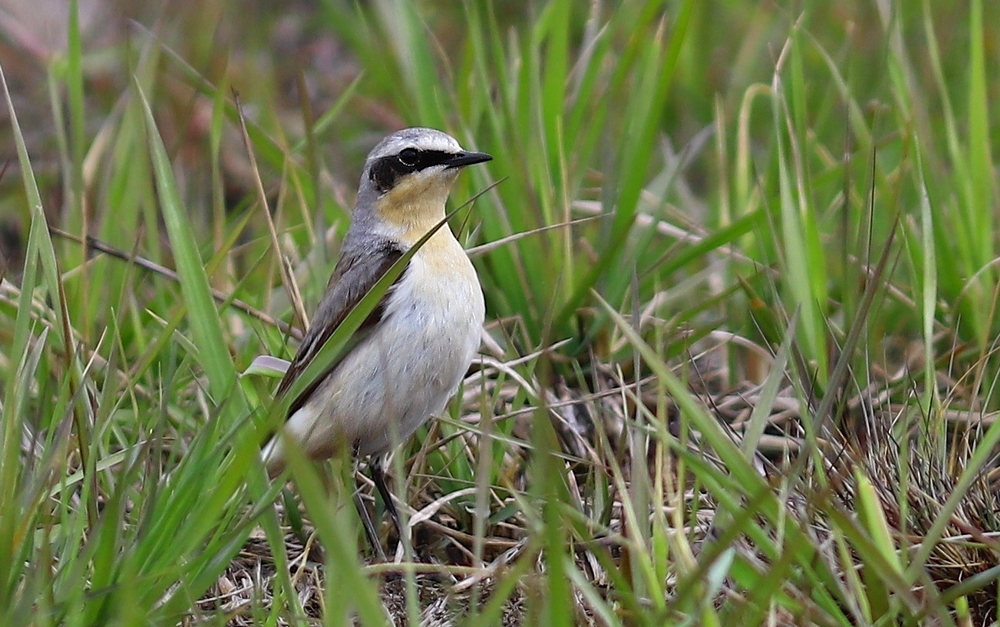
[(411, 353)]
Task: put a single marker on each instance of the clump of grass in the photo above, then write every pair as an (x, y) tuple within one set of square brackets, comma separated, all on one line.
[(739, 365)]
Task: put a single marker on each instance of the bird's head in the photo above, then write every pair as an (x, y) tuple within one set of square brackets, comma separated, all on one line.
[(409, 174)]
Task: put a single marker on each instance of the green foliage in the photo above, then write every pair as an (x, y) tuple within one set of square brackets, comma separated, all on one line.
[(819, 191)]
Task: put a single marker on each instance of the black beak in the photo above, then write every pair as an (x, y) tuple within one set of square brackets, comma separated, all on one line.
[(463, 159)]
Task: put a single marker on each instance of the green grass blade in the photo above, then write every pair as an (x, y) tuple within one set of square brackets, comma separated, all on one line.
[(203, 316)]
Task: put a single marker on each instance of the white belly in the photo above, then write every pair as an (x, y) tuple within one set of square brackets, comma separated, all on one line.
[(406, 370)]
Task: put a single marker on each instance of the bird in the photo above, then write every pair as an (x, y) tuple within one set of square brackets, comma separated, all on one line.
[(407, 359)]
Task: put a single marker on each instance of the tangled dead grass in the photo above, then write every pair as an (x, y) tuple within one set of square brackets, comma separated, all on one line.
[(591, 426)]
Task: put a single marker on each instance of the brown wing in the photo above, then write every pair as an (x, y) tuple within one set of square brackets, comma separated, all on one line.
[(357, 271)]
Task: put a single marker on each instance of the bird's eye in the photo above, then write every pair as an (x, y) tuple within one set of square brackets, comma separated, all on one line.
[(408, 157)]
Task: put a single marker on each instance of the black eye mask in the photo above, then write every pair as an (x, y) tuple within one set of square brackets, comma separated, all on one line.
[(386, 171)]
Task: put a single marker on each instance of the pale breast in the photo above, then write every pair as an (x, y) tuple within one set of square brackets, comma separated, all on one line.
[(409, 367)]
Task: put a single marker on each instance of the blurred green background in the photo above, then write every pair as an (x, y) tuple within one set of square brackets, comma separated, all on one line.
[(790, 206)]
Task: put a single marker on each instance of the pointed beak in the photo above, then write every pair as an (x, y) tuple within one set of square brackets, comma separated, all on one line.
[(463, 159)]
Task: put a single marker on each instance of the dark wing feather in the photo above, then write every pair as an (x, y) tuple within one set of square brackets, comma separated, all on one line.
[(355, 274)]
